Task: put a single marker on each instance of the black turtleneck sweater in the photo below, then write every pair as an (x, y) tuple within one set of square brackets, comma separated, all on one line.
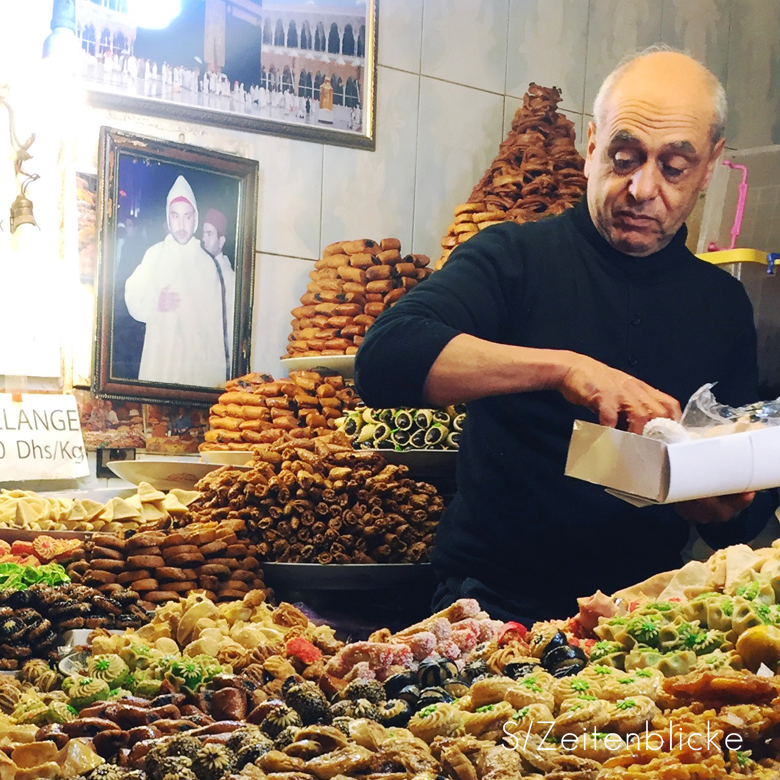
[(518, 525)]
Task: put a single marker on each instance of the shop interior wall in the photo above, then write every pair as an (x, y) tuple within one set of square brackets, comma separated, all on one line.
[(451, 74)]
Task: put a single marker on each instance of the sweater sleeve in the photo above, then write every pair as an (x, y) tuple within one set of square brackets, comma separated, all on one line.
[(468, 295)]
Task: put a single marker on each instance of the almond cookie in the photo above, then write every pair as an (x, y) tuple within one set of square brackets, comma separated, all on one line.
[(107, 552), (242, 575), (236, 551), (151, 550), (173, 539), (236, 585), (148, 584), (126, 577), (145, 561), (179, 587), (145, 539), (161, 596), (107, 564), (98, 577), (111, 541), (214, 570), (213, 548), (208, 581), (230, 563), (230, 594), (250, 564), (171, 552), (204, 537), (174, 573), (186, 560)]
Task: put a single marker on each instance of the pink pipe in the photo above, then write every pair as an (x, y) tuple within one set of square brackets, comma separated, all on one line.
[(742, 197)]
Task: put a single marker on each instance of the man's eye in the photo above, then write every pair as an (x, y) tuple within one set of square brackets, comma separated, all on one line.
[(671, 172), (623, 164)]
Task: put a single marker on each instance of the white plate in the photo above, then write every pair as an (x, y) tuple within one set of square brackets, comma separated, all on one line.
[(341, 364), (228, 457), (163, 474)]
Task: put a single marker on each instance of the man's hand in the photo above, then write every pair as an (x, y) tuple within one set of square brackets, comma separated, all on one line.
[(719, 509), (168, 300), (618, 398)]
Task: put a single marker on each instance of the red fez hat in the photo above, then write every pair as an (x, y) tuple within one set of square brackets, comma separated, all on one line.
[(218, 219)]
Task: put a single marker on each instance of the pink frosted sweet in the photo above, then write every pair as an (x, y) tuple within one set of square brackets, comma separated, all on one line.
[(463, 608), (466, 639), (488, 630), (421, 644), (441, 628), (448, 649)]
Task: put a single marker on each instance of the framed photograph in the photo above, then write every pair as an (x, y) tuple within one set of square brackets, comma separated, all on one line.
[(299, 68), (175, 259)]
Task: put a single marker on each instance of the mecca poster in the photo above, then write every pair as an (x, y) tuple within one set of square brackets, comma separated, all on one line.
[(300, 68), (176, 239)]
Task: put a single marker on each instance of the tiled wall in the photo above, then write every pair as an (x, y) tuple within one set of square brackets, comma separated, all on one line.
[(451, 74)]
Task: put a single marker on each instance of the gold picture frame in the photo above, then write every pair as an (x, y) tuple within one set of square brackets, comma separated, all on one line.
[(176, 227)]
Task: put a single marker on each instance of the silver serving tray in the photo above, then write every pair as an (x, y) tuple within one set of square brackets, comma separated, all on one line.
[(350, 576)]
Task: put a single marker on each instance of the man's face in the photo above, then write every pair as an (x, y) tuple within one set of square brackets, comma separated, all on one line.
[(181, 221), (647, 162), (212, 241)]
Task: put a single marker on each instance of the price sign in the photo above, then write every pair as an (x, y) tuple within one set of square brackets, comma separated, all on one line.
[(40, 438)]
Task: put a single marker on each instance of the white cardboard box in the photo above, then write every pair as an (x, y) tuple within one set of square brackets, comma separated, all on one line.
[(646, 471)]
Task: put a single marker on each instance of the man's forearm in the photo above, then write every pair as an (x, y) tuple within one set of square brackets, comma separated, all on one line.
[(469, 368)]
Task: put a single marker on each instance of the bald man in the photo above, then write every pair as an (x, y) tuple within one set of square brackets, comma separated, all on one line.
[(599, 314)]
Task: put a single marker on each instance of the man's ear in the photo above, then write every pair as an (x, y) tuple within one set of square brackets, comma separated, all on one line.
[(222, 240), (715, 155), (589, 152)]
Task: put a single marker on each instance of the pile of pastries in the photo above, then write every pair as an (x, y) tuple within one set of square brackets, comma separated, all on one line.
[(160, 566), (26, 510), (341, 507), (351, 285), (257, 409), (537, 172), (246, 691), (404, 429)]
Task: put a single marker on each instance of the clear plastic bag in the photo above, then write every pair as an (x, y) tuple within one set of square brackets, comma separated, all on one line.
[(703, 417)]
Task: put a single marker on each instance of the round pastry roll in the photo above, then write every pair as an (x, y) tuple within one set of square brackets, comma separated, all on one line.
[(629, 715), (534, 689), (642, 682), (581, 717), (533, 718), (571, 687), (437, 720), (488, 721), (490, 690)]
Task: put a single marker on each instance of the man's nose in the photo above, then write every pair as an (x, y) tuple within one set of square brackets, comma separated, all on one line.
[(645, 182)]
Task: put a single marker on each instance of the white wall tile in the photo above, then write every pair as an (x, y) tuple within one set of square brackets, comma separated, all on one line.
[(547, 45), (754, 74), (371, 194), (617, 28), (289, 196), (465, 41), (400, 34), (460, 131), (701, 28), (511, 104), (279, 284)]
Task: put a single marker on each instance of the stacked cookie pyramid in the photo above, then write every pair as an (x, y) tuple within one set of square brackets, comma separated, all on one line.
[(537, 172), (351, 285)]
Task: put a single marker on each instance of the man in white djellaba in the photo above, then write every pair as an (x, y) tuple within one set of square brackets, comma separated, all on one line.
[(176, 291)]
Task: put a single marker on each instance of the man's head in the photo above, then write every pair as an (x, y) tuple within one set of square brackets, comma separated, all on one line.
[(652, 148), (214, 226), (182, 211)]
